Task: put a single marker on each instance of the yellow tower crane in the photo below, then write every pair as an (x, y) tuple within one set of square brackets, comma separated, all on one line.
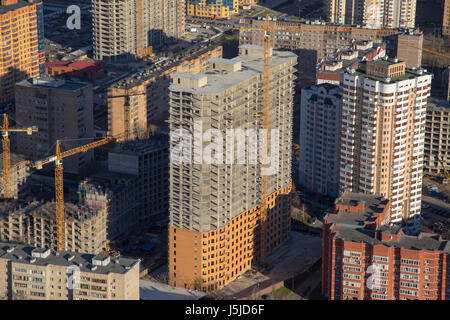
[(7, 190), (59, 183)]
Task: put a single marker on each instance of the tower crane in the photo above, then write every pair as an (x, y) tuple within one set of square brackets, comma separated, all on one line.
[(435, 53), (7, 190), (59, 183)]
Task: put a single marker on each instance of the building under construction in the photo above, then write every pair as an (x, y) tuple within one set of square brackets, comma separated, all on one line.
[(128, 29), (19, 173), (215, 229), (147, 92), (35, 224)]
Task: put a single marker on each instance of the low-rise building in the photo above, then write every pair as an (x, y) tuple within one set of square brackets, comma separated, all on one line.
[(365, 258), (30, 273)]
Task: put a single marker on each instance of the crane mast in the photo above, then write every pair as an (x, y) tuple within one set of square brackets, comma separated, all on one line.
[(59, 182)]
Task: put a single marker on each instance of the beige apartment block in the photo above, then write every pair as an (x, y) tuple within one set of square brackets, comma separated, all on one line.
[(35, 224), (382, 135), (437, 137), (446, 18), (127, 29), (20, 171), (372, 13), (406, 47), (30, 273), (61, 110), (322, 38), (142, 100)]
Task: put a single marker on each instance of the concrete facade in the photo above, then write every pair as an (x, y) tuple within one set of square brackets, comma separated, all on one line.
[(150, 105), (35, 224), (365, 259), (437, 138), (20, 171), (127, 29), (214, 208), (61, 110), (382, 136), (319, 139), (29, 273), (373, 13)]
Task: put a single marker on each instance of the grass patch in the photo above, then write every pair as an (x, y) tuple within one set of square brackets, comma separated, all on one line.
[(278, 294)]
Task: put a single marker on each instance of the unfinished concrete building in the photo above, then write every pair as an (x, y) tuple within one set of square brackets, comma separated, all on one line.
[(128, 29), (142, 100), (214, 205), (35, 224), (19, 174), (437, 139), (30, 273)]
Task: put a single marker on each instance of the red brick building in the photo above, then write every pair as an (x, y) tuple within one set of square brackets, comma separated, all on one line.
[(366, 259), (79, 69)]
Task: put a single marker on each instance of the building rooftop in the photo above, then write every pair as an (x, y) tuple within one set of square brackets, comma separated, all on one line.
[(19, 4), (143, 146), (163, 66), (350, 226), (43, 257), (441, 105), (46, 81), (219, 81)]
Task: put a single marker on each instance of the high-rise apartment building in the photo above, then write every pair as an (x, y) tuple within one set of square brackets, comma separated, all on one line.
[(446, 18), (363, 258), (62, 110), (215, 201), (319, 138), (20, 171), (29, 273), (372, 13), (437, 137), (382, 134), (126, 29), (22, 53)]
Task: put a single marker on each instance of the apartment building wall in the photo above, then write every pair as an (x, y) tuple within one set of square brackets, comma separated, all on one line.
[(382, 137), (323, 39), (406, 47), (150, 105), (30, 273), (123, 30), (446, 18), (437, 138), (148, 161), (22, 51), (372, 13), (216, 8), (319, 138), (61, 110), (20, 171), (372, 261), (206, 200)]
